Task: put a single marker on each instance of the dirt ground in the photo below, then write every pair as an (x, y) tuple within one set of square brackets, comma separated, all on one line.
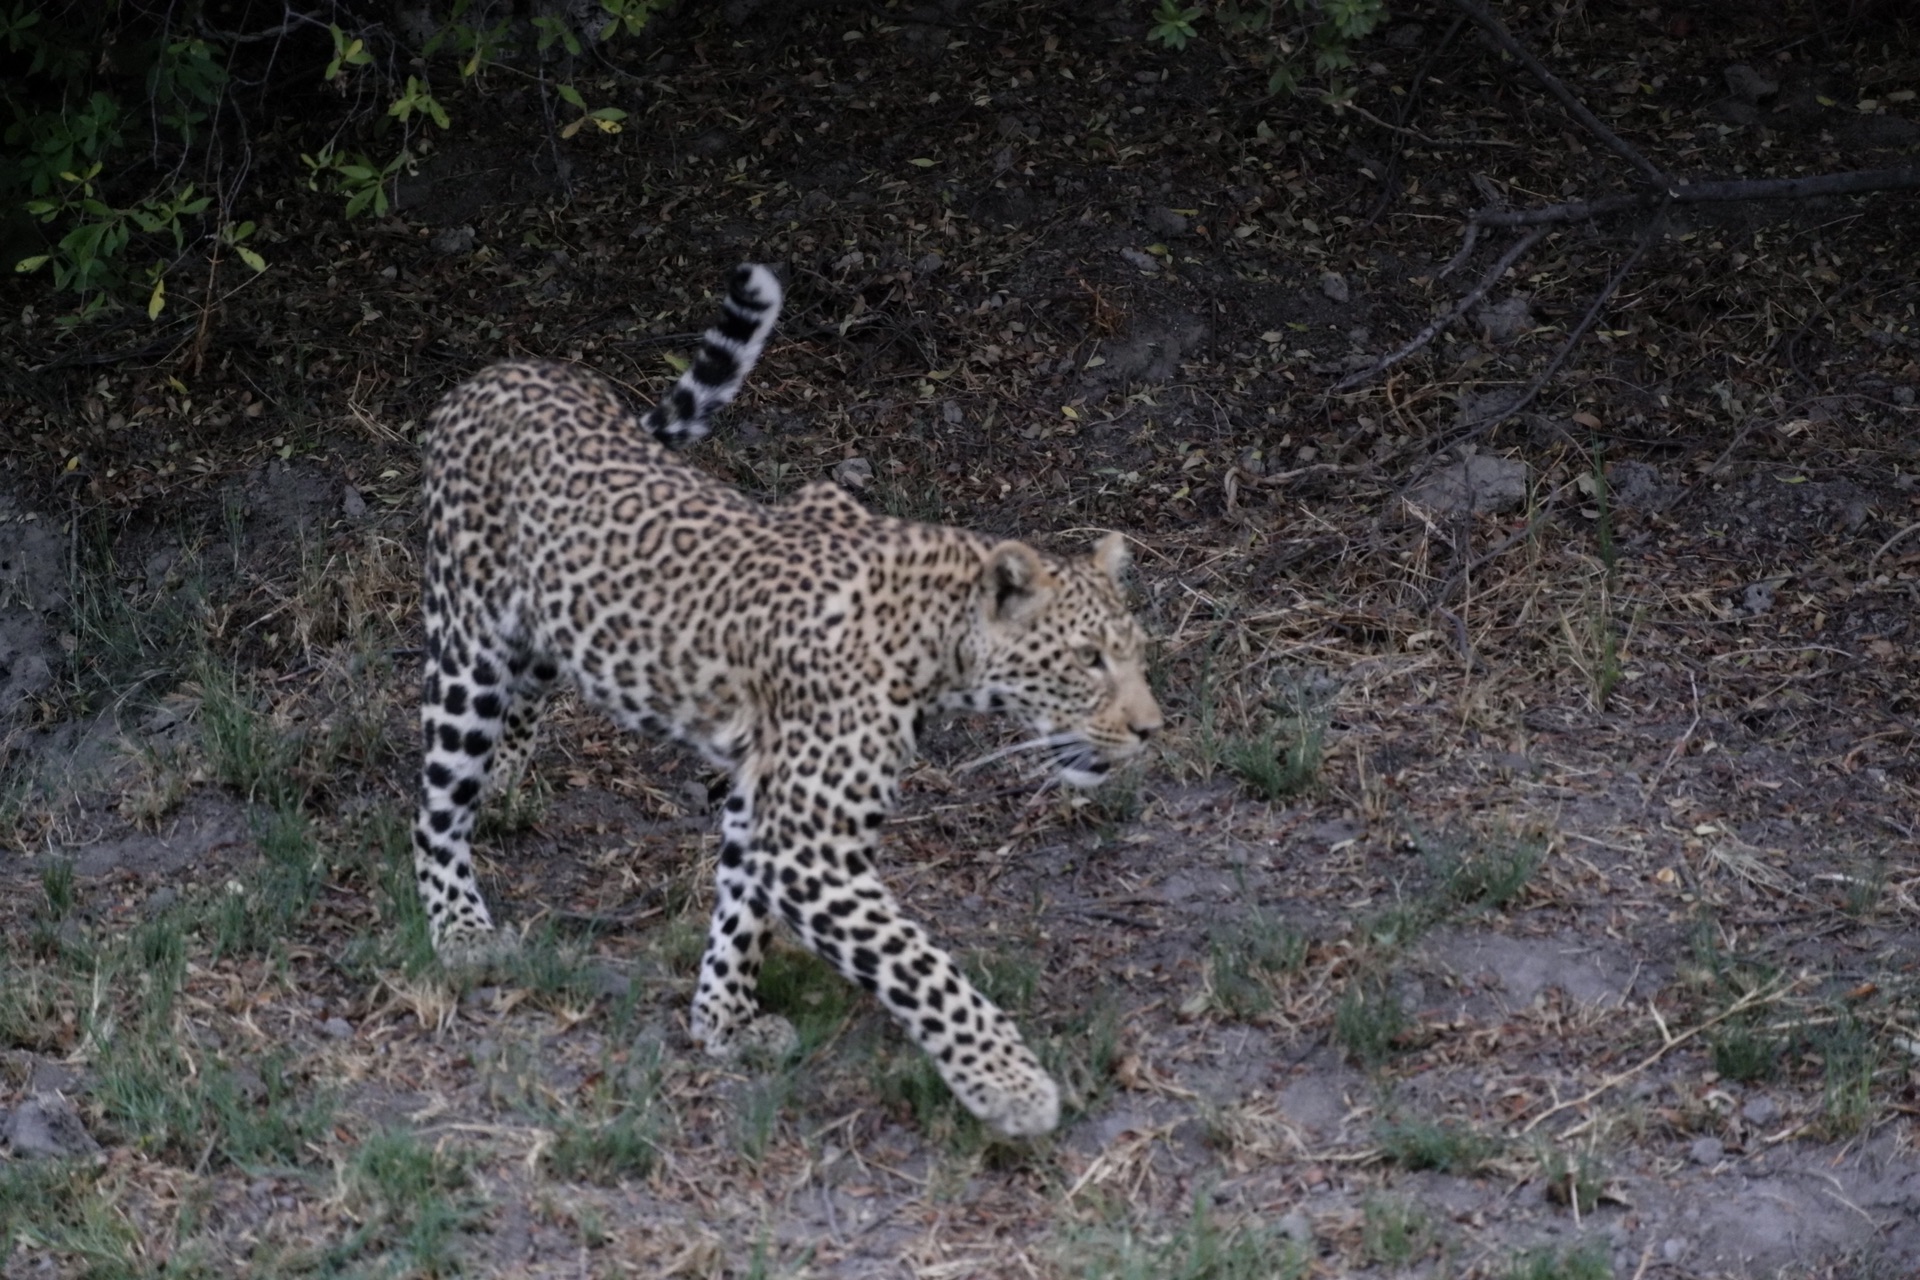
[(1528, 882)]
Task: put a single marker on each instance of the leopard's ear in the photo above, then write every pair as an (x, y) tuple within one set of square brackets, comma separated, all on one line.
[(1015, 585), (1111, 557)]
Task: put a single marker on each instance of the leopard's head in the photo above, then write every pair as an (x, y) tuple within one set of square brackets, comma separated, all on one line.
[(1052, 643)]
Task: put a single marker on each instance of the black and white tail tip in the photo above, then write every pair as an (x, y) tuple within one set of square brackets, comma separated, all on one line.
[(727, 353)]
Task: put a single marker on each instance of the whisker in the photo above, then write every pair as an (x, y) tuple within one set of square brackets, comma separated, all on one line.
[(1031, 744)]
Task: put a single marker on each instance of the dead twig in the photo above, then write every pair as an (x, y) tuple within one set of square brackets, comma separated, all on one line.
[(1679, 746), (1565, 96), (1765, 995), (1887, 546), (1435, 328), (1506, 544), (1539, 381)]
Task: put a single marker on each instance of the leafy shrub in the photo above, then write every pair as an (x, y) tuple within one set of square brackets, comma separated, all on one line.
[(129, 132), (1277, 34)]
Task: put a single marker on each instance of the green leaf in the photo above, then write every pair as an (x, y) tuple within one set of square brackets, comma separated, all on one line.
[(921, 162), (34, 263), (251, 258), (571, 96), (157, 300)]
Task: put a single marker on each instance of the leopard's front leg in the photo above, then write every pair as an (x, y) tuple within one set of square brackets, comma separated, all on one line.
[(809, 859)]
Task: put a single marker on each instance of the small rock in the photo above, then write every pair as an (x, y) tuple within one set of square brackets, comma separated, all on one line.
[(603, 980), (1904, 397), (1639, 485), (52, 1077), (1748, 85), (1297, 1227), (453, 240), (1166, 222), (1870, 132), (1707, 1151), (352, 505), (46, 1125), (1674, 1250), (1758, 597), (337, 1029), (928, 264), (1334, 285), (160, 901), (693, 796), (1144, 261), (1854, 516), (951, 413), (1476, 483), (1760, 1110), (1339, 831), (853, 473), (1731, 111), (1505, 320), (159, 567)]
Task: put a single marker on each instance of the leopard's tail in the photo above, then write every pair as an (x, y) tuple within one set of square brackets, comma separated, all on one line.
[(727, 353)]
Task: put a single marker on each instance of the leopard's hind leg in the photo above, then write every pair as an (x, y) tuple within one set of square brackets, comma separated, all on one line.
[(466, 698)]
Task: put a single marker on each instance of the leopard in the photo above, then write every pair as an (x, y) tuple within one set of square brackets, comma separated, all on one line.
[(798, 645)]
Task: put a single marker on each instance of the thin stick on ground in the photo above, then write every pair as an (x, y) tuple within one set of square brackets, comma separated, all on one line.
[(1539, 381), (1680, 744), (1753, 999), (1435, 328)]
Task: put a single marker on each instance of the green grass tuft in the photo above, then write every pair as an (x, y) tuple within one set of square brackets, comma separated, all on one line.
[(1435, 1144), (1367, 1022), (1202, 1249), (1245, 956), (1582, 1262)]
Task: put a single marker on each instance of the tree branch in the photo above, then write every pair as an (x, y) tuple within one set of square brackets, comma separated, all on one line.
[(1436, 327), (1576, 108), (1906, 178)]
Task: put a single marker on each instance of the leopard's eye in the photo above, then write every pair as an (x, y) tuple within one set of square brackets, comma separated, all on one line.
[(1093, 657)]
